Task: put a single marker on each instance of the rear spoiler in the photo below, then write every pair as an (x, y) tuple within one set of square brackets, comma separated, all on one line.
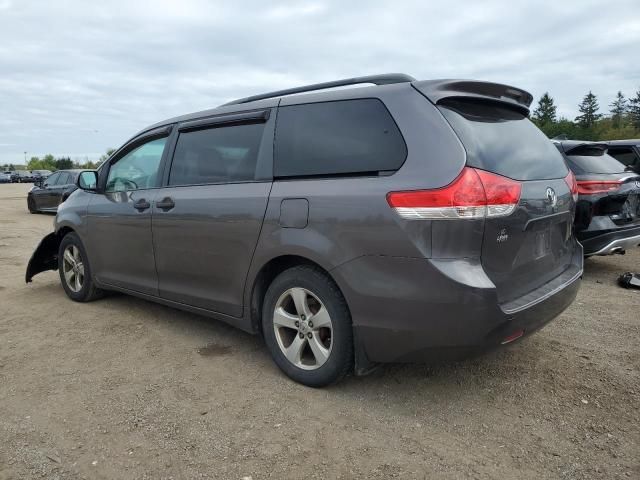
[(439, 90), (585, 149)]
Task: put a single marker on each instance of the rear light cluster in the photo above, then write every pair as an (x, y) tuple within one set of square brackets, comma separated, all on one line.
[(589, 187), (571, 182), (474, 194)]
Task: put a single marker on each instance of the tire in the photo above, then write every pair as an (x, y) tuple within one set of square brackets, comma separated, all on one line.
[(83, 290), (31, 205), (319, 354)]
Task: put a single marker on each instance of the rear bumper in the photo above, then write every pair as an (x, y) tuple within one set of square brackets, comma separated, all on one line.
[(611, 242), (413, 310)]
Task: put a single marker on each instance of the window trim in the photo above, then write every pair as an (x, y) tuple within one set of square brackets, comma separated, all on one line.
[(264, 162), (362, 174), (256, 116)]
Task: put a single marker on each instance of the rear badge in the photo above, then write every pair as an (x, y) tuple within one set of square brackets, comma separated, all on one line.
[(552, 197), (638, 183), (503, 236)]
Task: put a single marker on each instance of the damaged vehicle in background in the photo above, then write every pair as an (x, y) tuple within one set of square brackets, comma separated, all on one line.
[(608, 208), (399, 222)]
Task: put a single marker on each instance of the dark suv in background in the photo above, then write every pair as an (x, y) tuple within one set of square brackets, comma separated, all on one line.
[(608, 210), (403, 221)]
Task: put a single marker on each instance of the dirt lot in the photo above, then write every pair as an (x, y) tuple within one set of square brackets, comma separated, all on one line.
[(122, 388)]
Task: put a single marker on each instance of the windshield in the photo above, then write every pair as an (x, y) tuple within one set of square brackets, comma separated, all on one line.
[(503, 141)]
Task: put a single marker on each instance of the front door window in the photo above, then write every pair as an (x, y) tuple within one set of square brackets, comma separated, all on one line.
[(138, 169)]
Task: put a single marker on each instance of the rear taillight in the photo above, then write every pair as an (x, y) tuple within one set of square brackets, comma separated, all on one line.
[(474, 194), (589, 187), (570, 180)]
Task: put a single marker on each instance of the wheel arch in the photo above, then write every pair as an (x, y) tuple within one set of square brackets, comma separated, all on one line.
[(267, 273)]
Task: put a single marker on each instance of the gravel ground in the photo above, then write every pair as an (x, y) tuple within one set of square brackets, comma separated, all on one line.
[(123, 388)]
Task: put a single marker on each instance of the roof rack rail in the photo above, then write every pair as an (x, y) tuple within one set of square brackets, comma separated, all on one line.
[(383, 79)]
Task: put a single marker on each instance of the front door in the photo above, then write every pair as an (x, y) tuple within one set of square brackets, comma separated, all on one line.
[(119, 219), (47, 196), (207, 220)]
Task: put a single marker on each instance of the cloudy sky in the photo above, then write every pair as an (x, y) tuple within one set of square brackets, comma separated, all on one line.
[(78, 76)]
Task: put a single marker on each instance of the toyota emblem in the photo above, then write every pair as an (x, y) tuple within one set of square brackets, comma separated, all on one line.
[(551, 196)]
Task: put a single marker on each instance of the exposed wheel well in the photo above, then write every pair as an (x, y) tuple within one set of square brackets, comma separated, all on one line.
[(264, 278), (63, 231)]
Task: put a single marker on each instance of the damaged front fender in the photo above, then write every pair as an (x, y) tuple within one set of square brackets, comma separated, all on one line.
[(45, 257)]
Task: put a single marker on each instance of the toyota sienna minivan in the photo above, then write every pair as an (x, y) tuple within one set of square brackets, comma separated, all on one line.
[(396, 222)]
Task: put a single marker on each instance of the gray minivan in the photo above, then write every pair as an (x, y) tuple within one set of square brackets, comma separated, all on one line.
[(402, 221)]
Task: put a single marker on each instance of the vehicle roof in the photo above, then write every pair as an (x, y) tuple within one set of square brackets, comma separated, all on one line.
[(624, 143), (434, 90)]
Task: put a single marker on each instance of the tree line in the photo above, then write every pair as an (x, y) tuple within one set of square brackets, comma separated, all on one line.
[(622, 121), (49, 162)]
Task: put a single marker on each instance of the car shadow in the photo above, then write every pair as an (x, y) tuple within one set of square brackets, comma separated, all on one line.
[(215, 341)]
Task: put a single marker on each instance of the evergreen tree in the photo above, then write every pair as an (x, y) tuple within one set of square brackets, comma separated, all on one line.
[(618, 110), (588, 111), (634, 110), (545, 113)]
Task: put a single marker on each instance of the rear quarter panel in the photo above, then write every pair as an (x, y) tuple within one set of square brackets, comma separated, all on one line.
[(350, 217)]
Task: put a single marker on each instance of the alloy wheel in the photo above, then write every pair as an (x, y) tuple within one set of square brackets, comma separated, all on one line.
[(73, 268), (303, 328)]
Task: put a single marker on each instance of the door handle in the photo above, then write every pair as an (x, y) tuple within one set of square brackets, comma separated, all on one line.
[(165, 204), (141, 205)]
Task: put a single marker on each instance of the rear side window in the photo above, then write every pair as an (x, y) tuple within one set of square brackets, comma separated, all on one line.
[(216, 155), (602, 163), (337, 138), (503, 141)]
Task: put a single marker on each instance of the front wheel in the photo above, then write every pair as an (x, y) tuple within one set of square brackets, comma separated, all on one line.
[(31, 205), (75, 272), (307, 327)]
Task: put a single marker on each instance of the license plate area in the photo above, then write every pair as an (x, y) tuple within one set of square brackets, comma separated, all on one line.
[(542, 246)]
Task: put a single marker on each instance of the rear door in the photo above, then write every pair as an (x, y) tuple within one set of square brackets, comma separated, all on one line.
[(534, 244), (208, 216)]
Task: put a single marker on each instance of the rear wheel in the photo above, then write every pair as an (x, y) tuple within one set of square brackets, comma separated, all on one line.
[(307, 327), (75, 272)]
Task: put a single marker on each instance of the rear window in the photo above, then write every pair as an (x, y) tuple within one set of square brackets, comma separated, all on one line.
[(337, 138), (603, 163), (624, 155), (503, 141)]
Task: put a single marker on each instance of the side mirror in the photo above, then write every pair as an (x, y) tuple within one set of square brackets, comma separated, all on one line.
[(88, 181), (38, 182)]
